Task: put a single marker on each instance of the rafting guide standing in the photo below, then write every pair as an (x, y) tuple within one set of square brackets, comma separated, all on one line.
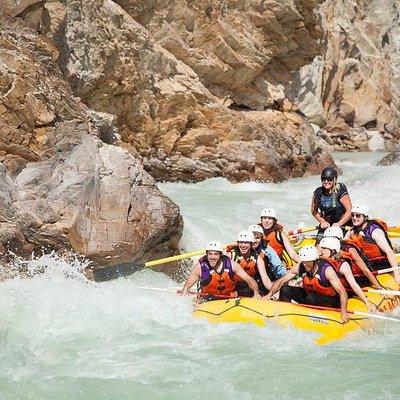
[(331, 204)]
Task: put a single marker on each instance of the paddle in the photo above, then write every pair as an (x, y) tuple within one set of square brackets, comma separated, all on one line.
[(386, 270), (294, 232), (377, 316), (394, 235), (124, 269), (365, 314), (156, 289), (112, 271), (385, 292), (394, 229)]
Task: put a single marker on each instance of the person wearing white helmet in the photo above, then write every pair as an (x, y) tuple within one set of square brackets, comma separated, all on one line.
[(359, 268), (217, 275), (370, 236), (275, 237), (247, 257), (330, 248), (274, 266), (331, 203), (321, 285)]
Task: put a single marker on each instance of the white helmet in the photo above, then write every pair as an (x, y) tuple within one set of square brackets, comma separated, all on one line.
[(245, 236), (331, 243), (308, 253), (214, 246), (268, 212), (361, 209), (256, 228), (334, 231)]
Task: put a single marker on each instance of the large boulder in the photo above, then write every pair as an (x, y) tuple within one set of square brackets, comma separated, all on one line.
[(61, 186)]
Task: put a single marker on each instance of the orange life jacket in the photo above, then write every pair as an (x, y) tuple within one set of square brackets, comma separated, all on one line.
[(249, 264), (363, 240), (273, 237), (346, 256), (346, 245), (337, 263), (318, 283), (217, 283)]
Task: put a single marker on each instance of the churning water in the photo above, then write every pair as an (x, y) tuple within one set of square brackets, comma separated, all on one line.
[(64, 338)]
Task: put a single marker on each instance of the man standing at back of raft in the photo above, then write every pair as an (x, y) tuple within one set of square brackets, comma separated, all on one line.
[(216, 273), (321, 285)]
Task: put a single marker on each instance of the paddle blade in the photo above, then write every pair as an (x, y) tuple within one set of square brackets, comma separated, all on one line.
[(112, 271)]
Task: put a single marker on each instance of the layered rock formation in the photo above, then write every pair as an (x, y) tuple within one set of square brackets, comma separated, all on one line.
[(352, 89), (181, 77), (61, 186), (93, 90)]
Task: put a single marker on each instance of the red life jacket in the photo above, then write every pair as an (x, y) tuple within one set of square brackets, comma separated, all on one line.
[(217, 283), (363, 239), (318, 283), (249, 264)]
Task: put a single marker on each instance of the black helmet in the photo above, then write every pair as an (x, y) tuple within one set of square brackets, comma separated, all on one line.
[(329, 172)]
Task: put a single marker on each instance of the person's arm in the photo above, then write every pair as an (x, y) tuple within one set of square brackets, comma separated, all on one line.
[(278, 268), (314, 211), (281, 281), (363, 267), (345, 270), (346, 202), (239, 271), (380, 239), (337, 285), (289, 248), (194, 276), (263, 272)]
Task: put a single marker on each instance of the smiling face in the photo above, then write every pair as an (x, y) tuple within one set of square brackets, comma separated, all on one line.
[(244, 247), (213, 257), (267, 222), (357, 219), (324, 252), (308, 265), (327, 183), (257, 239)]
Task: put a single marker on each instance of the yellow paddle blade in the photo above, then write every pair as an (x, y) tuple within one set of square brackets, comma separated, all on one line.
[(174, 258), (394, 235), (394, 229)]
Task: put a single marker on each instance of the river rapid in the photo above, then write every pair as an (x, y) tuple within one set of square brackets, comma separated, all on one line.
[(64, 338)]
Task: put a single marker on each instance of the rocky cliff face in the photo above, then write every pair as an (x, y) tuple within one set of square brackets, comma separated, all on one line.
[(93, 91), (61, 186), (185, 79), (352, 88)]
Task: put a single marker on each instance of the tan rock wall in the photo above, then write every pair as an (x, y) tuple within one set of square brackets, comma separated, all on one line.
[(356, 81), (61, 187), (172, 110)]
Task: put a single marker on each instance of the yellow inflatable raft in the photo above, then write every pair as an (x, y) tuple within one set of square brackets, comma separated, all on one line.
[(325, 322)]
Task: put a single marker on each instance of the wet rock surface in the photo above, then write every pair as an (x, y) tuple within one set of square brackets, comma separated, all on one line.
[(352, 88), (95, 93), (61, 186)]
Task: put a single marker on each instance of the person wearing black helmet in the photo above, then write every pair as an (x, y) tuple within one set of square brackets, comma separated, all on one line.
[(331, 204)]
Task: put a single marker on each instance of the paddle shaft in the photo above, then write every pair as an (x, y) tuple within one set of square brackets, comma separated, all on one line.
[(385, 292), (365, 314)]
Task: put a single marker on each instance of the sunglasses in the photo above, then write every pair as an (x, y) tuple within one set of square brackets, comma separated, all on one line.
[(356, 215), (324, 178)]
